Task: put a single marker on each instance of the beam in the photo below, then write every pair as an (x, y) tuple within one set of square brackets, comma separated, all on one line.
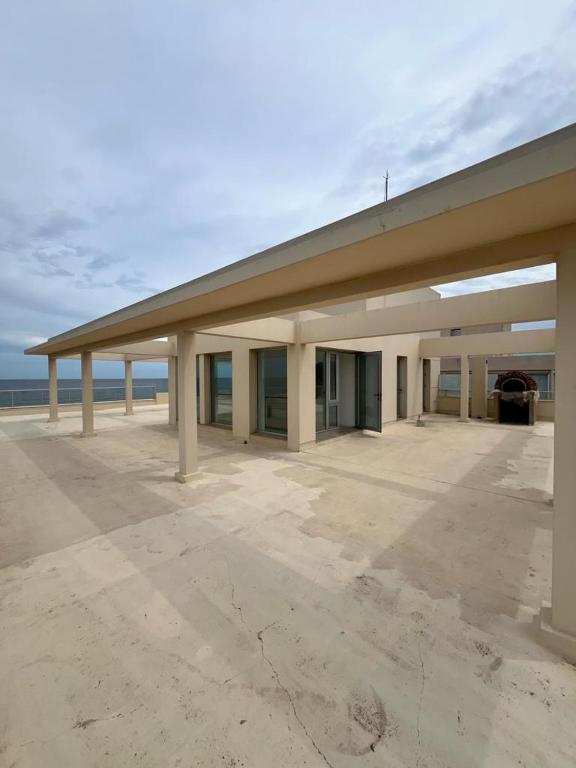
[(523, 303), (275, 330), (508, 211), (490, 344)]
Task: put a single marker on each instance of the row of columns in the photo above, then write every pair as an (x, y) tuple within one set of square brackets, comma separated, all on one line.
[(87, 391), (558, 620)]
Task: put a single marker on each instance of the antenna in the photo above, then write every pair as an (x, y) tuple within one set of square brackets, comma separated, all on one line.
[(386, 185)]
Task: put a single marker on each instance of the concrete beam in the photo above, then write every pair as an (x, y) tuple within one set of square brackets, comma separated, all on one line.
[(488, 344), (275, 330), (523, 303)]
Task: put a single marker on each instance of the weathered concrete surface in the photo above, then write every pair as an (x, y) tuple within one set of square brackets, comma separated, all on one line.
[(368, 602)]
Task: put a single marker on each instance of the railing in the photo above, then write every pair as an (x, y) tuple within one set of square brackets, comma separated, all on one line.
[(21, 398), (543, 394), (448, 393)]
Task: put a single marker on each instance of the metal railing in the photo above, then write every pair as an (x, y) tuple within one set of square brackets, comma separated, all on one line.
[(21, 398), (543, 394)]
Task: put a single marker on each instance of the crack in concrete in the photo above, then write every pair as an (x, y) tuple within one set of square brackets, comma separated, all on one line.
[(422, 684), (287, 693), (235, 605)]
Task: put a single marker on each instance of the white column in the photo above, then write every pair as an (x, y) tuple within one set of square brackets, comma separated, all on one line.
[(53, 388), (301, 395), (128, 387), (464, 387), (558, 621), (172, 390), (87, 395), (187, 427), (479, 381), (241, 395)]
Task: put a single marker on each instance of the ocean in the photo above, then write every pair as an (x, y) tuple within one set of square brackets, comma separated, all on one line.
[(18, 392)]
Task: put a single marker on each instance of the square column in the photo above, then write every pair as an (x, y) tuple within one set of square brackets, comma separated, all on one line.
[(53, 388), (128, 387), (87, 395), (172, 390), (301, 395), (241, 394), (558, 620), (479, 370), (187, 427), (464, 387)]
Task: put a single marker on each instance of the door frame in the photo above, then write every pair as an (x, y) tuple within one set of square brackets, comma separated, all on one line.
[(361, 391)]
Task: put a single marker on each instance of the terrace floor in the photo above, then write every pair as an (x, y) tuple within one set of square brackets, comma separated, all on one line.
[(366, 603)]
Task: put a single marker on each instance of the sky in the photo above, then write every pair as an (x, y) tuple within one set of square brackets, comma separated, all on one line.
[(143, 144)]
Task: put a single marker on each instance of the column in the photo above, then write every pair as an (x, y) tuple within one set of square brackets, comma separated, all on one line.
[(87, 395), (301, 395), (558, 620), (479, 381), (172, 390), (241, 395), (187, 427), (128, 387), (53, 388), (464, 387)]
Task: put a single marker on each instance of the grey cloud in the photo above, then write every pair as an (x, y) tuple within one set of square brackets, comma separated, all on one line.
[(58, 224), (135, 283), (102, 261)]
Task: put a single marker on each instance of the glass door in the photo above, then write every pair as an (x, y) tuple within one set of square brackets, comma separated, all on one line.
[(221, 389), (369, 371), (332, 389), (273, 391)]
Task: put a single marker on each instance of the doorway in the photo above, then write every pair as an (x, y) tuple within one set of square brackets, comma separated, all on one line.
[(221, 389), (369, 376), (401, 387), (426, 373), (348, 390)]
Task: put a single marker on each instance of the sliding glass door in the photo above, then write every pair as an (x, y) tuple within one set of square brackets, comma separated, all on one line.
[(369, 368), (273, 391), (221, 389)]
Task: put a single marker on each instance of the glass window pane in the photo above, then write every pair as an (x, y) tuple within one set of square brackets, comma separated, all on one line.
[(222, 389), (320, 390), (273, 391), (333, 377)]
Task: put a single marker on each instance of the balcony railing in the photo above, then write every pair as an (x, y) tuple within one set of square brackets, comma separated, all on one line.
[(543, 394), (21, 398)]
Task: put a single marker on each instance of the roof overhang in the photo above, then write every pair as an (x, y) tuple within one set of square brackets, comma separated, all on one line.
[(517, 209)]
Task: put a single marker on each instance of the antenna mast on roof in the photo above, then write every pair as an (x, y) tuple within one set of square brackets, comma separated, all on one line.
[(386, 185)]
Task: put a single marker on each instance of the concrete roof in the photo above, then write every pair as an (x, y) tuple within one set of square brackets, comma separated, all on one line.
[(513, 210)]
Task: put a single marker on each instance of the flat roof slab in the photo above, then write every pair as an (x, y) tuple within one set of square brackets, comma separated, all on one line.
[(369, 601)]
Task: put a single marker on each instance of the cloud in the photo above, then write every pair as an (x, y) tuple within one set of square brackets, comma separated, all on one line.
[(58, 224), (127, 170), (136, 283)]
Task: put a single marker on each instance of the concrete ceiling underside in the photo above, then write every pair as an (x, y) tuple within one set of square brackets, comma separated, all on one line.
[(513, 211)]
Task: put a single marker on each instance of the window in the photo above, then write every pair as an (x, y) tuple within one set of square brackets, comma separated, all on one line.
[(221, 389), (273, 391)]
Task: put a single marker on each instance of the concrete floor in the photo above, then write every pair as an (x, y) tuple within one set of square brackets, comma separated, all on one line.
[(366, 603)]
